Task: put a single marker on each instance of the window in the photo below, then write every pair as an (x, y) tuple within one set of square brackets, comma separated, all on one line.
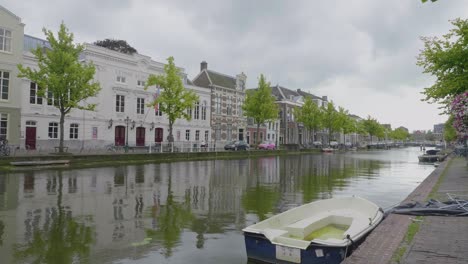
[(218, 131), (203, 111), (53, 130), (141, 83), (121, 79), (157, 111), (229, 132), (207, 133), (3, 125), (187, 134), (229, 106), (120, 103), (4, 84), (189, 111), (50, 98), (218, 104), (140, 106), (74, 131), (197, 135), (33, 97), (5, 40), (197, 111), (239, 107)]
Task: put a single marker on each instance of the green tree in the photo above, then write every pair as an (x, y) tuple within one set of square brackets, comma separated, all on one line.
[(174, 99), (260, 104), (445, 58), (450, 134), (343, 121), (62, 76), (310, 114), (399, 134), (330, 119), (117, 45), (373, 128)]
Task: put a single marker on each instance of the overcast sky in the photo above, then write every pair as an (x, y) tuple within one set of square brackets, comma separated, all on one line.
[(359, 53)]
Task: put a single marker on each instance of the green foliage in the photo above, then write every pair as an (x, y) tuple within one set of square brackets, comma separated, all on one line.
[(331, 119), (445, 59), (310, 114), (399, 134), (174, 99), (260, 104), (62, 75), (450, 134), (373, 128), (117, 45)]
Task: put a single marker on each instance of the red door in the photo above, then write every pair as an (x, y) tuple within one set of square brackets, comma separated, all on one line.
[(158, 136), (119, 136), (140, 136), (30, 138)]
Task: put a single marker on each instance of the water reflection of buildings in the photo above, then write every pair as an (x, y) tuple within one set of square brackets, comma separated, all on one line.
[(121, 203), (126, 204)]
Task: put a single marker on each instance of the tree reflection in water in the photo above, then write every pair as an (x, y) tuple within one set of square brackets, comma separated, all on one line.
[(173, 217), (62, 239)]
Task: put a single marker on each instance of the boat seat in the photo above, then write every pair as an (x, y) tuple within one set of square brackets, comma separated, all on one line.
[(271, 233), (302, 228)]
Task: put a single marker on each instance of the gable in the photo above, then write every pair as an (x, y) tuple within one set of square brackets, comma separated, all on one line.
[(202, 80)]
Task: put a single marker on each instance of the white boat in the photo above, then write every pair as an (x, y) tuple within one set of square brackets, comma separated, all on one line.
[(313, 233)]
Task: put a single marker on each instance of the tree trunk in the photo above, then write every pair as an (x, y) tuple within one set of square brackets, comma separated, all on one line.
[(170, 137), (62, 121), (258, 135)]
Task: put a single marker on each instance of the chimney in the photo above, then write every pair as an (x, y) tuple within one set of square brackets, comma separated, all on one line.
[(203, 65)]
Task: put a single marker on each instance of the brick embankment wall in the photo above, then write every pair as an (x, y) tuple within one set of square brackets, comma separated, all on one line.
[(379, 246)]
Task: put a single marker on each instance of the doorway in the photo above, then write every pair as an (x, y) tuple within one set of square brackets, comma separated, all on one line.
[(119, 136), (140, 136)]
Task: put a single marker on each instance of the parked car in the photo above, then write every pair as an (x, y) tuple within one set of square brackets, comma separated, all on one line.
[(268, 145), (317, 143), (333, 143), (237, 145)]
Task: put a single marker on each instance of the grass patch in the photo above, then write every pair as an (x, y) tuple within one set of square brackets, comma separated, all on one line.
[(433, 193), (413, 229)]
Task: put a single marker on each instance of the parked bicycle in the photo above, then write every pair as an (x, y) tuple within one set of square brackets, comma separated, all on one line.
[(4, 148), (112, 148)]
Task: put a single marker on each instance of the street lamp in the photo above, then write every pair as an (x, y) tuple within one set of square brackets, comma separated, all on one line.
[(127, 120)]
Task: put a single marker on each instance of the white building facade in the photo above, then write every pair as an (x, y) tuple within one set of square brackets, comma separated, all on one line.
[(122, 116), (11, 54)]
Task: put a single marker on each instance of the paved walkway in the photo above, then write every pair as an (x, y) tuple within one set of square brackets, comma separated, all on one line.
[(379, 247), (444, 239)]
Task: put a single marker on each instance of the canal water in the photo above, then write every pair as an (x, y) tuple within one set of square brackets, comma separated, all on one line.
[(181, 212)]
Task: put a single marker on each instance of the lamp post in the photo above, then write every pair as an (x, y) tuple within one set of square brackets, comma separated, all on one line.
[(127, 120)]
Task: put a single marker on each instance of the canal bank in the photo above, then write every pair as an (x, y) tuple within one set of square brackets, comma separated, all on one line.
[(429, 239), (89, 160)]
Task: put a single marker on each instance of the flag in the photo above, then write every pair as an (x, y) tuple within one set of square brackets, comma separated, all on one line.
[(155, 96)]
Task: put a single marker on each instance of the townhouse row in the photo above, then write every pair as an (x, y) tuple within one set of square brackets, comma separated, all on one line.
[(122, 116)]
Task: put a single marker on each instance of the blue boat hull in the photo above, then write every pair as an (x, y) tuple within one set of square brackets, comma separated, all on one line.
[(260, 249)]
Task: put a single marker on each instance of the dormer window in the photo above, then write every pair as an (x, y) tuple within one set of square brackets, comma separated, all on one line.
[(121, 79), (5, 40)]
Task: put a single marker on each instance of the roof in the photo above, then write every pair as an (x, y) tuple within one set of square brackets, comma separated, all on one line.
[(305, 94), (206, 78), (10, 13)]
